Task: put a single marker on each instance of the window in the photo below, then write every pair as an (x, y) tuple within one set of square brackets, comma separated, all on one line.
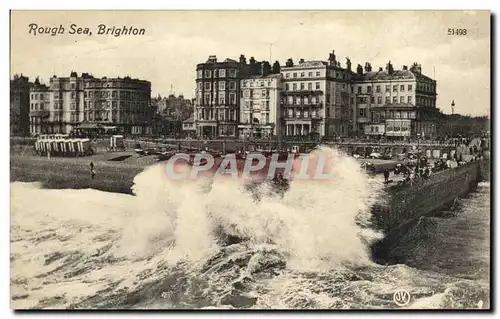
[(306, 99), (387, 100), (318, 73), (222, 85), (294, 74), (222, 99), (114, 104), (402, 88), (232, 73), (378, 88), (73, 95), (199, 74), (287, 87), (297, 101), (402, 99), (207, 73), (318, 86), (372, 99), (302, 74), (207, 99), (394, 99), (361, 100), (295, 86), (287, 75), (261, 83), (369, 89), (388, 88), (302, 86), (379, 100), (232, 85), (410, 87), (394, 88), (310, 74), (359, 89), (222, 73), (207, 85), (41, 96), (73, 86), (361, 112)]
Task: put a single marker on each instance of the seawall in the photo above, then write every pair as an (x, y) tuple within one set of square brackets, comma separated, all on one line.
[(405, 204)]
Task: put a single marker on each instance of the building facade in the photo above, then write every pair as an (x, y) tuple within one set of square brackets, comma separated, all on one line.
[(170, 112), (217, 98), (260, 105), (20, 105), (316, 98), (40, 116), (396, 104), (86, 102)]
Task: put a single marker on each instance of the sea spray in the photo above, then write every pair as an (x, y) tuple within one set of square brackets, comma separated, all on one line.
[(317, 223)]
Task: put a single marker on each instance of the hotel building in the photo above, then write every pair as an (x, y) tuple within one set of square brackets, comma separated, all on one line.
[(260, 105), (394, 103), (85, 102), (316, 98), (20, 105)]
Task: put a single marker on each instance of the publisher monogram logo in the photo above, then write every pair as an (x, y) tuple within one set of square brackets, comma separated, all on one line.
[(401, 297)]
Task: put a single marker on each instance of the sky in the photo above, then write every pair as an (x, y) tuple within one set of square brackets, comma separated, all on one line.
[(175, 41)]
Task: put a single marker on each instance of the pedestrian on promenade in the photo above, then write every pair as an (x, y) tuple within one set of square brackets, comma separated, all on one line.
[(386, 175), (92, 170)]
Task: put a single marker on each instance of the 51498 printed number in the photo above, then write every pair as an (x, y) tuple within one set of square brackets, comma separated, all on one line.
[(457, 31)]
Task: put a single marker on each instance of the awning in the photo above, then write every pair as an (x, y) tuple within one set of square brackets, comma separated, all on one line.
[(89, 125)]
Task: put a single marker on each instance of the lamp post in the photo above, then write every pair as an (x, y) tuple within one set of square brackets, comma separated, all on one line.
[(452, 112)]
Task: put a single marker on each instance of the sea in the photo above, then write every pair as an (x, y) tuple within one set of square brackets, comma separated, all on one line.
[(210, 244)]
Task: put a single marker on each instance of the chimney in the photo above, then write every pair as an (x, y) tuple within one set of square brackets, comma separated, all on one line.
[(332, 61), (212, 59), (389, 68), (380, 69), (301, 60), (265, 68), (359, 69), (405, 68), (252, 61), (368, 67), (243, 60), (348, 64), (276, 67), (289, 62)]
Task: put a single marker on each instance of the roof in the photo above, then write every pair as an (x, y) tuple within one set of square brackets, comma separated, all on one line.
[(307, 64), (383, 75), (189, 120), (313, 63)]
